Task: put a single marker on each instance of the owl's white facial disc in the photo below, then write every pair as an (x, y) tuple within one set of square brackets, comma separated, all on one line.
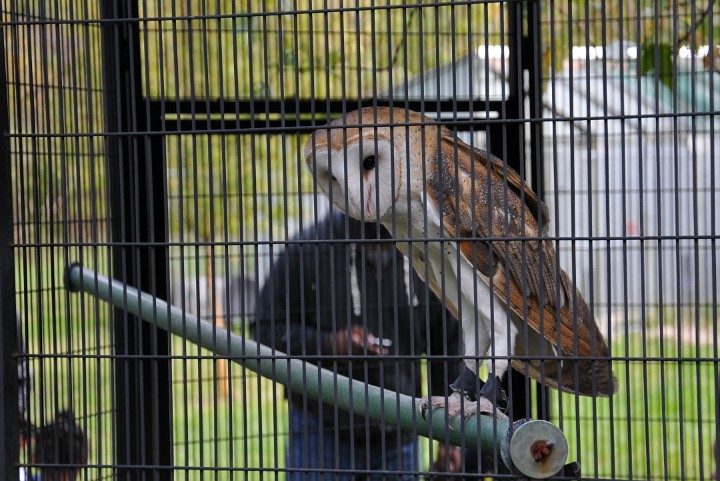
[(361, 179)]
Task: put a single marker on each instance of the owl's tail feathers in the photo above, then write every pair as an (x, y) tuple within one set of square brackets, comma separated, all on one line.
[(585, 377), (588, 371)]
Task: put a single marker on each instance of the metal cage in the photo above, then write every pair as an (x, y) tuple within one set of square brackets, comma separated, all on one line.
[(152, 159)]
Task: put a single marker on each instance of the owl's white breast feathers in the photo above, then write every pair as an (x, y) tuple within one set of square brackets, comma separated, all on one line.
[(465, 291)]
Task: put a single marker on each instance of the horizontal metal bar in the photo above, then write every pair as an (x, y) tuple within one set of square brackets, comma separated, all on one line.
[(492, 434), (463, 115), (460, 124), (282, 357), (321, 108), (260, 14), (230, 126), (597, 239)]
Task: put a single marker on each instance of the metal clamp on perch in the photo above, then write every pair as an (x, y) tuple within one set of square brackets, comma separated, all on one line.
[(537, 449)]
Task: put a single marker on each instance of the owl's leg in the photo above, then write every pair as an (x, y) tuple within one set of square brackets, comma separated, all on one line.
[(492, 391), (504, 334), (464, 398), (467, 384)]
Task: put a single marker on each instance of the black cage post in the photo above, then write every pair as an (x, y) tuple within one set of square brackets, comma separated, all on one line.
[(9, 450), (136, 169)]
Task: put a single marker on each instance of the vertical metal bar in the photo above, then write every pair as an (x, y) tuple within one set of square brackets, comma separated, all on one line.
[(532, 61), (9, 435), (136, 166), (510, 134), (513, 152)]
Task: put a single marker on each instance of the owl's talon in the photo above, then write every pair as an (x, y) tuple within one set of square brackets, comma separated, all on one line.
[(485, 407), (457, 405), (454, 405)]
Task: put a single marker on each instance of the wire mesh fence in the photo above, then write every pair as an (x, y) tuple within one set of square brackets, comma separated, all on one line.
[(161, 144)]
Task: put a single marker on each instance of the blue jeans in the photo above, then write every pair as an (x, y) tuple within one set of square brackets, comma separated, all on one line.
[(328, 457)]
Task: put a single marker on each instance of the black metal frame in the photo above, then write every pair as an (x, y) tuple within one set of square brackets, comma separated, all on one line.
[(136, 167), (9, 422), (135, 138)]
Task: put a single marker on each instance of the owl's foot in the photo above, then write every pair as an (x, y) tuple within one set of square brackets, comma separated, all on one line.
[(491, 399), (458, 405), (453, 404), (493, 392)]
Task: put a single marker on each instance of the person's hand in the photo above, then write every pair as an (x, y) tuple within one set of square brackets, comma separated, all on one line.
[(353, 341), (449, 459)]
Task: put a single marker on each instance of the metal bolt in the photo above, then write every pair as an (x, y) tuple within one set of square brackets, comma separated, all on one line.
[(541, 449)]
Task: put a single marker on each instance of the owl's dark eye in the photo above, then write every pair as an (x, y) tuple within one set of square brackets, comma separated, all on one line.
[(369, 162)]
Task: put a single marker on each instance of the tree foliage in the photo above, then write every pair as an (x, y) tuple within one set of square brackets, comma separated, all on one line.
[(658, 29), (55, 101), (283, 49), (244, 186)]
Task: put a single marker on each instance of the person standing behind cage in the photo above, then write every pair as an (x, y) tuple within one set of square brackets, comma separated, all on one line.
[(59, 448), (334, 299)]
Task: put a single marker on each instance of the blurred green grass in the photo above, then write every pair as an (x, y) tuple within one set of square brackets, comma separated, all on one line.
[(662, 422), (236, 422)]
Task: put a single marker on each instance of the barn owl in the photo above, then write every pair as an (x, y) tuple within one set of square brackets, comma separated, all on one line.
[(473, 231)]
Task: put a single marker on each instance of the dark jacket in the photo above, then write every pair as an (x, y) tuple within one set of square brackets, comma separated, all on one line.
[(309, 296)]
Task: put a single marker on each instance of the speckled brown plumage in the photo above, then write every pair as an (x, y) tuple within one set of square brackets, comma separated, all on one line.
[(481, 197)]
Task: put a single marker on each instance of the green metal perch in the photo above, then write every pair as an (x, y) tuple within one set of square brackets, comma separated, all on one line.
[(514, 443)]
